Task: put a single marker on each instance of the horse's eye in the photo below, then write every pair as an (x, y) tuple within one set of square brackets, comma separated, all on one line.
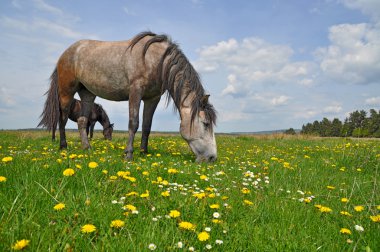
[(206, 124)]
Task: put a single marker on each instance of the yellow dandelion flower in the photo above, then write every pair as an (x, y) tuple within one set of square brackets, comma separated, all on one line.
[(203, 177), (330, 187), (88, 228), (247, 202), (105, 172), (3, 179), (245, 190), (325, 209), (286, 165), (68, 172), (72, 156), (145, 195), (214, 206), (344, 200), (78, 166), (375, 218), (132, 194), (378, 207), (174, 213), (19, 245), (145, 173), (117, 224), (216, 221), (200, 195), (172, 171), (59, 206), (92, 165), (113, 177), (345, 213), (186, 225), (130, 207), (165, 194), (7, 159), (359, 208), (203, 236), (345, 231)]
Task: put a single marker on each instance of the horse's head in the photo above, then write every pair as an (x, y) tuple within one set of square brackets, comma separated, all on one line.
[(197, 130), (107, 132)]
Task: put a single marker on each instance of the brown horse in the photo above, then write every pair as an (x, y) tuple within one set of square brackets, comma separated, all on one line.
[(98, 114), (143, 68)]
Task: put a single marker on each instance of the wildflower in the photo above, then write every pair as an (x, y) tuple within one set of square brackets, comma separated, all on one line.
[(130, 207), (208, 229), (219, 242), (92, 165), (216, 221), (216, 215), (68, 172), (132, 194), (286, 165), (203, 236), (88, 228), (174, 213), (59, 206), (152, 246), (214, 206), (330, 187), (172, 171), (345, 231), (358, 208), (375, 218), (344, 200), (19, 245), (186, 225), (145, 195), (191, 249), (324, 209), (117, 224), (199, 195), (7, 159), (203, 177), (345, 213), (247, 202), (165, 194), (3, 179), (208, 246), (359, 228), (245, 190), (105, 172), (179, 244)]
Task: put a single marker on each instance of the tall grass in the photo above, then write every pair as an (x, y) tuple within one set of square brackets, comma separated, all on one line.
[(269, 193)]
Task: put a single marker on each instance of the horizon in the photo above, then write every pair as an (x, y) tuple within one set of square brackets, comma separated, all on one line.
[(268, 65)]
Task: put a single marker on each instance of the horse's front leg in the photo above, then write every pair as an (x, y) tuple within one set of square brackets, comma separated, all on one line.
[(134, 107), (87, 100), (149, 109)]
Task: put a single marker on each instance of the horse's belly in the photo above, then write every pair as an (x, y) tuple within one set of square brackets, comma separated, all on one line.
[(111, 91)]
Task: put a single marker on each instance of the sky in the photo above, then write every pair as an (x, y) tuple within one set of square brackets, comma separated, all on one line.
[(267, 64)]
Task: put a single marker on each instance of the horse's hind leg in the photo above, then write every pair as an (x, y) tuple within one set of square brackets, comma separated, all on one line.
[(149, 108), (87, 99), (65, 102)]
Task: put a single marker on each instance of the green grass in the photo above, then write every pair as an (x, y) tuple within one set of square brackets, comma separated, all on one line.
[(276, 175)]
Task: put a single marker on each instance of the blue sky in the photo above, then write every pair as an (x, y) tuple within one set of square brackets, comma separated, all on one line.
[(267, 64)]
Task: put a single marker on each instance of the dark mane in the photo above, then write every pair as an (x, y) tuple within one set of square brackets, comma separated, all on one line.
[(176, 74)]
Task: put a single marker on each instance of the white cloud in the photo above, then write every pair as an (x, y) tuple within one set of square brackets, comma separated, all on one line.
[(279, 100), (373, 101), (253, 61), (333, 109), (354, 54), (368, 7), (41, 5)]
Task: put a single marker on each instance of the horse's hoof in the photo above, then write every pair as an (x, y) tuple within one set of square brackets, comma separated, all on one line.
[(129, 156)]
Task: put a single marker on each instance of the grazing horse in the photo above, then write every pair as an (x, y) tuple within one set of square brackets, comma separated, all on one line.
[(140, 69), (98, 114)]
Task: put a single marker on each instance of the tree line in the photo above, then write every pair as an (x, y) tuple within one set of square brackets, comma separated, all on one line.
[(357, 124)]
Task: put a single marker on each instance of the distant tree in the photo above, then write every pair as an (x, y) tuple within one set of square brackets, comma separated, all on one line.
[(336, 127), (290, 131), (325, 127), (307, 129), (374, 123)]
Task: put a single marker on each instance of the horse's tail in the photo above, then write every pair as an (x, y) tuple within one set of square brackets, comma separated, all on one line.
[(50, 114)]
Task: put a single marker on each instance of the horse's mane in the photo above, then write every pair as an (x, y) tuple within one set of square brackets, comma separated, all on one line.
[(176, 73)]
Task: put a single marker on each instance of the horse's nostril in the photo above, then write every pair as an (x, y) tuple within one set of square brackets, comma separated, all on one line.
[(212, 158)]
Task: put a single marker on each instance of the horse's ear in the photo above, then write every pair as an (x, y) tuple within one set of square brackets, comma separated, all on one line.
[(204, 100)]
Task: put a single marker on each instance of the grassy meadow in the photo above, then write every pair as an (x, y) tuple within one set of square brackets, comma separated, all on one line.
[(267, 193)]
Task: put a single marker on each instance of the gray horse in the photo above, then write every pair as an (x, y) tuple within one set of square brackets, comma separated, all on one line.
[(143, 68)]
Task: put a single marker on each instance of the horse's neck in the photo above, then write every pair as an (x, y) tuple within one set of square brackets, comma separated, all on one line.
[(103, 119)]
